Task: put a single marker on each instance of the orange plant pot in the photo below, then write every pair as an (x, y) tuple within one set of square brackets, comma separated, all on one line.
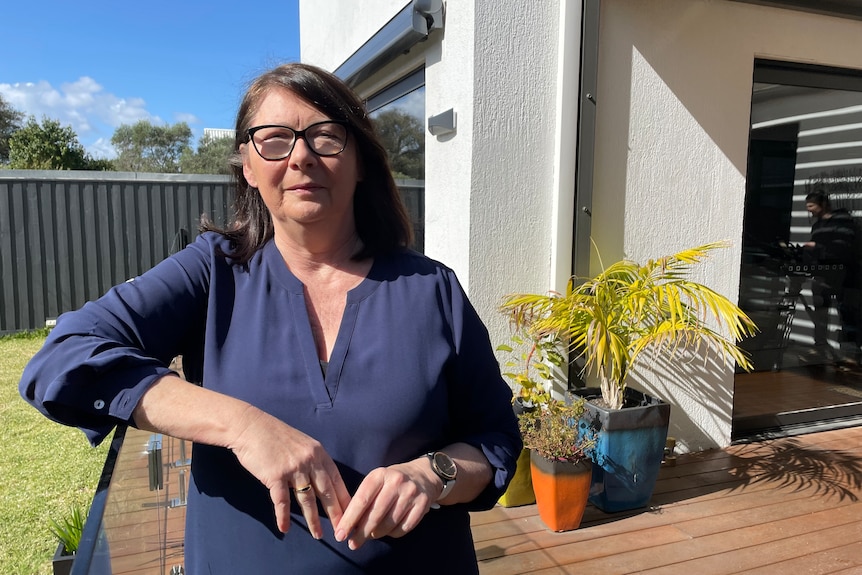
[(561, 489)]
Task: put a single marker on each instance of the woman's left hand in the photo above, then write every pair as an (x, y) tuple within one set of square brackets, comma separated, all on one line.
[(390, 502)]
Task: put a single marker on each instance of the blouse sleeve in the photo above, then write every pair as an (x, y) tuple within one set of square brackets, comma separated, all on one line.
[(98, 361), (481, 402)]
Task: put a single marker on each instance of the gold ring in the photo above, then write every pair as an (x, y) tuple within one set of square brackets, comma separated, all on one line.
[(303, 489)]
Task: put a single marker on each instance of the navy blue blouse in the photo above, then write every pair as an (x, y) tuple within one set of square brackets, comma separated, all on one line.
[(412, 370)]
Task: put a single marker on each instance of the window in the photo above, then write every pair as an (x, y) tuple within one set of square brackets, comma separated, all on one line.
[(399, 114)]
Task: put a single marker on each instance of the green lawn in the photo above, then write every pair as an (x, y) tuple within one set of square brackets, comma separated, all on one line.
[(45, 469)]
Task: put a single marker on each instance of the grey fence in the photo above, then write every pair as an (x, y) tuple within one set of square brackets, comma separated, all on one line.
[(67, 237), (413, 195)]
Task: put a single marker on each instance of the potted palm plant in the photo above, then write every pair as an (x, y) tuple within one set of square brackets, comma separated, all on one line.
[(607, 322), (560, 467)]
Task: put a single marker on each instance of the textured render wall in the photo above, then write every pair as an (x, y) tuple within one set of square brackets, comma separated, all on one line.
[(672, 135), (332, 30), (511, 199), (449, 84), (489, 208)]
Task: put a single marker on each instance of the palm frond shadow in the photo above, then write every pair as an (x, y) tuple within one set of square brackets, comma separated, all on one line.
[(785, 465), (789, 463)]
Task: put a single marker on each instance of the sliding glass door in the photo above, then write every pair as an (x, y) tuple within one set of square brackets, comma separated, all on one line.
[(801, 278)]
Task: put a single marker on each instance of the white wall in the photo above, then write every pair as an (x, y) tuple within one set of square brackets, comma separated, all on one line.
[(332, 30), (511, 187), (672, 134), (491, 199)]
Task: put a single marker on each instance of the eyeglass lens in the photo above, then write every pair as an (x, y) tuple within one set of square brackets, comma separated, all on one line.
[(277, 142)]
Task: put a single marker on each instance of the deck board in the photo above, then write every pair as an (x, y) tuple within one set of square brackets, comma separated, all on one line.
[(791, 505)]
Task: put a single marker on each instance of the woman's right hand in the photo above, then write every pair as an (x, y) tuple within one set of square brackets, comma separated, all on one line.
[(284, 458)]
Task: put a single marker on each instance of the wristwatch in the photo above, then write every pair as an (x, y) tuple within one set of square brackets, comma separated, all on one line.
[(445, 468)]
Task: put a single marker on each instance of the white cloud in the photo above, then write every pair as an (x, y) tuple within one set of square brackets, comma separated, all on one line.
[(83, 104), (93, 113), (189, 119), (102, 148), (412, 104)]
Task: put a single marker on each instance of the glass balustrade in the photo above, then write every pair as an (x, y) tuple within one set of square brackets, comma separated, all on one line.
[(136, 521)]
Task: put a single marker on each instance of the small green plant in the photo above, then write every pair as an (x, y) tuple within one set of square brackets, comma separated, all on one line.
[(553, 430), (534, 365), (69, 528)]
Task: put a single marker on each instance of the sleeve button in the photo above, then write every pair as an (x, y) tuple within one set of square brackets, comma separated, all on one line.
[(99, 404)]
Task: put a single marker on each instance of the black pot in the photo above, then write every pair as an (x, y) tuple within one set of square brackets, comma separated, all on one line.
[(62, 561), (519, 407)]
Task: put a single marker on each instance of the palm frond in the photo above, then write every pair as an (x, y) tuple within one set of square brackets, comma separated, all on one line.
[(611, 318)]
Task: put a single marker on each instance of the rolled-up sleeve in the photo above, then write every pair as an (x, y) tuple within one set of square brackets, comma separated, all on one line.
[(483, 401), (98, 361)]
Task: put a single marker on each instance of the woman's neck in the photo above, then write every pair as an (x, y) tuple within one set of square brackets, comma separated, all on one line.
[(312, 255)]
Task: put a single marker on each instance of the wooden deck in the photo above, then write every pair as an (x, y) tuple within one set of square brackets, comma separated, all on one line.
[(787, 506), (784, 506)]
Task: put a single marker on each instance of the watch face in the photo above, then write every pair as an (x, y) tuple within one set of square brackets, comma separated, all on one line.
[(444, 465)]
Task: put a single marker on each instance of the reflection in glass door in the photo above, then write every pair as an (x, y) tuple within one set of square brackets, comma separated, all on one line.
[(801, 279)]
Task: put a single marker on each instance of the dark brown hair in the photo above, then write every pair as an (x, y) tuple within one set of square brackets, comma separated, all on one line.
[(820, 198), (381, 218)]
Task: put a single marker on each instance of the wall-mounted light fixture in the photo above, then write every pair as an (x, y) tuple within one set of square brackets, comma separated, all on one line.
[(443, 123)]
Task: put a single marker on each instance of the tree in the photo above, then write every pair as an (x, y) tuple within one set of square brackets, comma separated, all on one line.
[(143, 147), (10, 122), (46, 146), (404, 139), (100, 164), (211, 157)]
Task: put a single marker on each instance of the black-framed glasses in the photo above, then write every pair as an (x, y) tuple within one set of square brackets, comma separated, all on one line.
[(274, 142)]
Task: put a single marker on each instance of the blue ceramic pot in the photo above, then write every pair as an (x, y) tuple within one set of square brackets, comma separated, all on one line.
[(629, 448)]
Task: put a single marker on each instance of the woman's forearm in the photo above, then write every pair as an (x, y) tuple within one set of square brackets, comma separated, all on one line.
[(180, 409), (474, 473)]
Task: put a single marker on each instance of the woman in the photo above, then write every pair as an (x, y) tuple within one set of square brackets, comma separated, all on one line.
[(351, 411)]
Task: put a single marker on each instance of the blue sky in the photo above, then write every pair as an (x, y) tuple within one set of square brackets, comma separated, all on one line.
[(94, 65)]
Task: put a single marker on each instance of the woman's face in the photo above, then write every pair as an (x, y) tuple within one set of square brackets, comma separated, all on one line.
[(303, 189), (814, 209)]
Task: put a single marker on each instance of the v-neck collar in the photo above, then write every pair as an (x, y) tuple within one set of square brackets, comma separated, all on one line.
[(324, 389)]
